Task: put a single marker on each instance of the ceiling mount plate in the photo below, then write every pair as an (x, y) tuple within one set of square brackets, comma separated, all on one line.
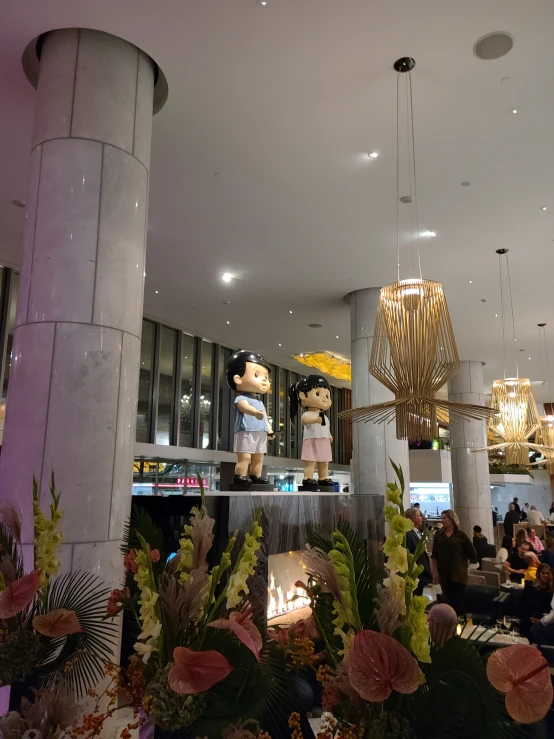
[(405, 64), (502, 251)]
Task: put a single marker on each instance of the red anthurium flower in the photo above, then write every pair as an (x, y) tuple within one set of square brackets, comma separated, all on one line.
[(378, 664), (17, 596), (243, 628), (522, 673), (196, 672), (60, 622)]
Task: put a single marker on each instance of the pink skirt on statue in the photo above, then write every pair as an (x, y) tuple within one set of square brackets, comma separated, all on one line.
[(317, 450)]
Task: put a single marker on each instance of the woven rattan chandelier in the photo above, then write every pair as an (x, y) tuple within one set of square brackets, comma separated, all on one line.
[(414, 350), (545, 433), (517, 416)]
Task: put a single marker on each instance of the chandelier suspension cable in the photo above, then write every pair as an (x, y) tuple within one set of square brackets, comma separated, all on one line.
[(409, 82), (398, 174), (540, 326), (512, 310), (502, 310)]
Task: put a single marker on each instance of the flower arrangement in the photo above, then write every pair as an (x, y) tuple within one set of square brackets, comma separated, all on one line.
[(199, 662), (49, 626), (389, 671)]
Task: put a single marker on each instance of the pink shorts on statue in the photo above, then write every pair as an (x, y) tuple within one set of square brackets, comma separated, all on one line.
[(317, 450)]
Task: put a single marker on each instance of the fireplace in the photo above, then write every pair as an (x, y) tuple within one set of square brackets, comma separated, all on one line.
[(283, 595)]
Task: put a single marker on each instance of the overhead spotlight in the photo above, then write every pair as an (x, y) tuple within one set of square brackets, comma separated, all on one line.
[(428, 234), (226, 277), (470, 282), (290, 311), (228, 323), (157, 292), (373, 155), (336, 337), (543, 207), (280, 345), (514, 110)]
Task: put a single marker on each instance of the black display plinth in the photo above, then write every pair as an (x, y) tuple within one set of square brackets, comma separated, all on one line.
[(254, 487), (317, 489)]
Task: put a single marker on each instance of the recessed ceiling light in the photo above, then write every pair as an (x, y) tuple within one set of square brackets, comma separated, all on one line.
[(484, 300), (226, 277), (336, 337), (543, 207), (467, 183), (228, 323), (493, 45), (406, 199), (529, 358), (144, 274), (315, 325), (157, 292), (226, 302), (280, 344), (290, 311), (373, 155), (496, 315), (428, 234), (514, 110), (470, 282)]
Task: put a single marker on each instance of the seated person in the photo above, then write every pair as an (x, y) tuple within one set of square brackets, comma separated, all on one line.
[(515, 564), (542, 630), (532, 564), (533, 539), (521, 537), (508, 545), (547, 555), (536, 599), (478, 537)]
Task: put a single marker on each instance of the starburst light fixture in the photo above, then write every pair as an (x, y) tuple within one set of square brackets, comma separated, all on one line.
[(517, 416), (414, 350)]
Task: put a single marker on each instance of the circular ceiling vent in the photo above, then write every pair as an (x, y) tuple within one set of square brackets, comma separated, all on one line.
[(315, 325), (493, 45)]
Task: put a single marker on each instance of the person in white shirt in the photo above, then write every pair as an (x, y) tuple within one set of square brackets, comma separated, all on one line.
[(534, 517), (542, 631)]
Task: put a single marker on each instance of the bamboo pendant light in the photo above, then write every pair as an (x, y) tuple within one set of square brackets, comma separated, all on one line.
[(517, 416), (414, 350), (545, 433)]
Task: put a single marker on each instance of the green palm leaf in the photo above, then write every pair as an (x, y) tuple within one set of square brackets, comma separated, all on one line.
[(85, 594), (141, 523), (457, 700)]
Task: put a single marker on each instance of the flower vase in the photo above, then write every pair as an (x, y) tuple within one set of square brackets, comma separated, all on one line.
[(160, 733), (4, 699)]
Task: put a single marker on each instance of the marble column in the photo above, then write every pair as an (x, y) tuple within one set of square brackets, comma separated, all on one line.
[(373, 444), (470, 471), (75, 361)]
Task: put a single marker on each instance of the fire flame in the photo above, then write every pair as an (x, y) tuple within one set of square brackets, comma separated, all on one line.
[(280, 602)]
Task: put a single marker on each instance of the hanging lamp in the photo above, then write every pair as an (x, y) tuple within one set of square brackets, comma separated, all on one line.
[(545, 433), (414, 351), (517, 416)]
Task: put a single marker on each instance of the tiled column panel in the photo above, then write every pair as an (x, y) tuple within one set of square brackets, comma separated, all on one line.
[(373, 444), (470, 471), (75, 361)]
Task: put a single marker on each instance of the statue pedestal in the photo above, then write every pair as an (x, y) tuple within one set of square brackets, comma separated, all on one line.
[(257, 488)]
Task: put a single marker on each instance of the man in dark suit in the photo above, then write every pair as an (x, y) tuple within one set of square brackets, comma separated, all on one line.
[(510, 519), (413, 538)]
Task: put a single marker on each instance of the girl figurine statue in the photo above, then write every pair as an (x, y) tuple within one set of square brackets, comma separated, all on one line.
[(314, 395)]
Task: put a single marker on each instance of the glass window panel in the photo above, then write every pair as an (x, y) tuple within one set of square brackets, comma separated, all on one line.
[(281, 438), (166, 389), (144, 407), (187, 390), (206, 371), (294, 437), (11, 326), (268, 399), (223, 420)]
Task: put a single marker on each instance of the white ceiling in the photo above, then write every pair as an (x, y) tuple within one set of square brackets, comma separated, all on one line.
[(257, 164)]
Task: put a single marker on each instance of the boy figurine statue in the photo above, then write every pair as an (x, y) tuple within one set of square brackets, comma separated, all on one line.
[(248, 375)]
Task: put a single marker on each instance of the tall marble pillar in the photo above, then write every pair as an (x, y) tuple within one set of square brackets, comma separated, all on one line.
[(373, 444), (75, 361), (470, 471)]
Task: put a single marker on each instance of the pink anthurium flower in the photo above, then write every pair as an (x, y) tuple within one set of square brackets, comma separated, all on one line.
[(521, 672), (18, 595), (196, 672), (378, 664), (243, 628), (60, 622)]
